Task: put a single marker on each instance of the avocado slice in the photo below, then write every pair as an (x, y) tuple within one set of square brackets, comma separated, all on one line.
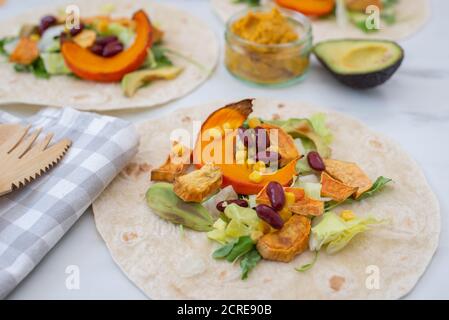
[(359, 63), (134, 80)]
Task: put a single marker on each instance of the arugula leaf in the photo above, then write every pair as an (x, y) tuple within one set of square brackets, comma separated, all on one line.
[(243, 248), (160, 57), (378, 185), (249, 261), (309, 265), (37, 68), (224, 250), (250, 3)]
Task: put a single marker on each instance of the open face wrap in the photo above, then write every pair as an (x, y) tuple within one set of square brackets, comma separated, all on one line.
[(384, 263)]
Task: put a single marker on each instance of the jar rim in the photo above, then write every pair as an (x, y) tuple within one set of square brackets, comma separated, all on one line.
[(294, 15)]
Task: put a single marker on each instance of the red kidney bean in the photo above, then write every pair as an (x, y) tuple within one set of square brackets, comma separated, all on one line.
[(97, 49), (74, 31), (105, 40), (267, 214), (275, 193), (221, 206), (262, 138), (112, 48), (46, 22), (246, 136), (315, 161)]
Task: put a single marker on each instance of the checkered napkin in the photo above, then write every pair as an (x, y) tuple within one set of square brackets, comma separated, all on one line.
[(35, 217)]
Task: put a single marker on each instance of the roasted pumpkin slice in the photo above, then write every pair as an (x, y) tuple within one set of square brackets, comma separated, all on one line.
[(216, 145), (90, 66), (288, 242)]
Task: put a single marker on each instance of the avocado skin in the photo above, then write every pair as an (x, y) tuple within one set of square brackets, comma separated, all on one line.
[(364, 80)]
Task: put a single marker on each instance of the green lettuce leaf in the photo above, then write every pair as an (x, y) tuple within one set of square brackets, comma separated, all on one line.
[(308, 266), (54, 63), (334, 233), (318, 121)]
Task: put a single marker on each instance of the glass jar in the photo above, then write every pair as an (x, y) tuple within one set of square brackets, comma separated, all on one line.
[(269, 64)]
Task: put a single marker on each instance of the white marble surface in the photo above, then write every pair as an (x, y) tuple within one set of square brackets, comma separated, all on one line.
[(412, 108)]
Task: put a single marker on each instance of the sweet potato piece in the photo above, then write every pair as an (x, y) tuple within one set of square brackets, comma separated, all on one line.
[(335, 189), (350, 174), (175, 165), (285, 144), (25, 52), (197, 185), (286, 243), (308, 207)]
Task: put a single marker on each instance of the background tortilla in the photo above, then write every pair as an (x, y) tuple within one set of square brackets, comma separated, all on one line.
[(167, 264), (411, 16), (183, 32)]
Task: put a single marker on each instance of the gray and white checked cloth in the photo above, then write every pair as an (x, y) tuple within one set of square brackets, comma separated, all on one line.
[(34, 218)]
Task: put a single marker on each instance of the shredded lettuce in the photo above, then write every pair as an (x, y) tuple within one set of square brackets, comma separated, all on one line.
[(237, 222), (124, 34), (311, 189), (334, 233), (318, 121), (54, 63)]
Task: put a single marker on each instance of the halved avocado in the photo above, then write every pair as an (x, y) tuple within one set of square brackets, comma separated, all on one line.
[(359, 63)]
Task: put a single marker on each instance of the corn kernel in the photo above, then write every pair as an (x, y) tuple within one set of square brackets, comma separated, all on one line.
[(254, 122), (240, 156), (347, 215), (35, 37), (255, 177), (102, 25), (290, 198), (178, 149), (285, 213), (259, 166)]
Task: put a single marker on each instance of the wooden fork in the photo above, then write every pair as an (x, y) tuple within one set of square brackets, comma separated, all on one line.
[(23, 158)]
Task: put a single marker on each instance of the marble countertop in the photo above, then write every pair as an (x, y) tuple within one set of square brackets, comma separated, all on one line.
[(413, 109)]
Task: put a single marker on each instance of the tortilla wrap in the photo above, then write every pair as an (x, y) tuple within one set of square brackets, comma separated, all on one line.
[(167, 263), (183, 33), (411, 16)]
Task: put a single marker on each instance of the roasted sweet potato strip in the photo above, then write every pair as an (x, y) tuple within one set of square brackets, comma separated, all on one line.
[(199, 184), (335, 189), (350, 174), (25, 52), (288, 242), (176, 164)]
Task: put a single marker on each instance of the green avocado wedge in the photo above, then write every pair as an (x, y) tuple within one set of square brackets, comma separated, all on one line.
[(358, 63)]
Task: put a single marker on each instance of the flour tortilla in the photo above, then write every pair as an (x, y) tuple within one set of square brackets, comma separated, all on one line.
[(168, 264), (184, 33), (411, 16)]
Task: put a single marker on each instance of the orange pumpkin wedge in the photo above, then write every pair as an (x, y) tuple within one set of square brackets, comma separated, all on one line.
[(90, 66), (233, 116), (309, 7)]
